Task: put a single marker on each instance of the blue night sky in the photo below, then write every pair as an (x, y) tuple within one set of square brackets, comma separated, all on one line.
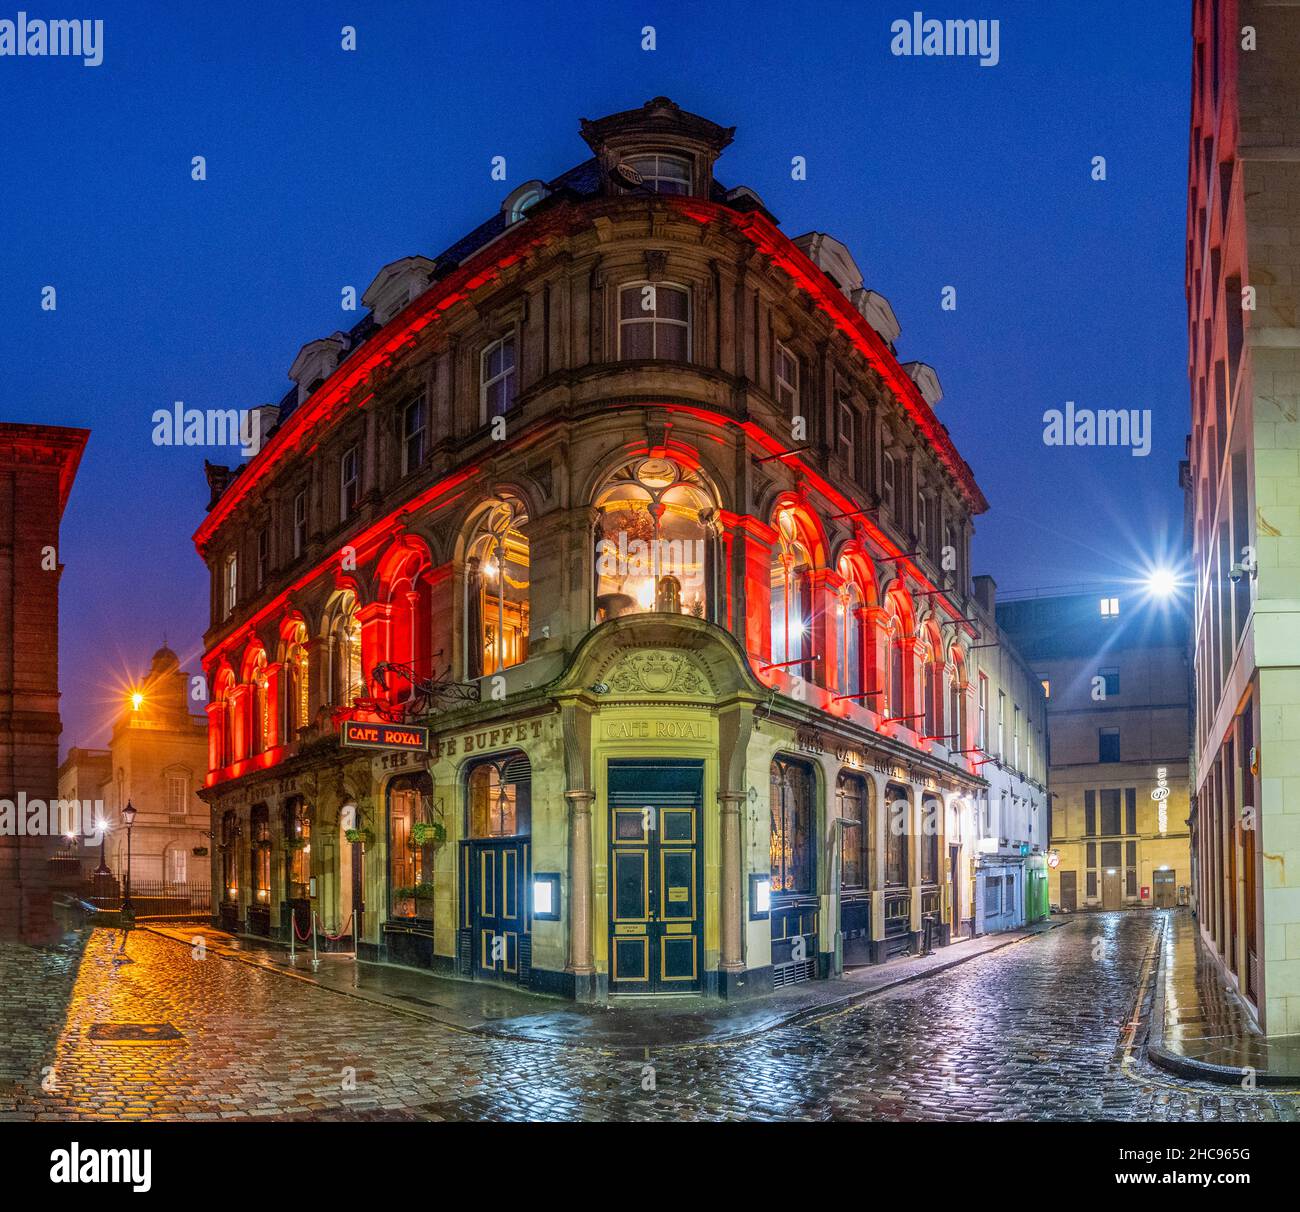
[(324, 165)]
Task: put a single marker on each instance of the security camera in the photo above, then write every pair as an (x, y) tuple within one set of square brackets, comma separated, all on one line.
[(1235, 573)]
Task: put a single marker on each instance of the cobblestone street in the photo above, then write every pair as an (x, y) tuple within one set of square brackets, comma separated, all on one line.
[(1033, 1031)]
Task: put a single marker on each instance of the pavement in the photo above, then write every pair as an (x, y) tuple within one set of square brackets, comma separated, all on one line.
[(625, 1023), (1200, 1028), (1047, 1028)]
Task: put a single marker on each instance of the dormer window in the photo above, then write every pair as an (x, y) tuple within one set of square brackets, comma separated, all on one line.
[(520, 201), (663, 174)]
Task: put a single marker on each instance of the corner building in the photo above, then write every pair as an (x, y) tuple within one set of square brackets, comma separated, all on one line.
[(1243, 253), (627, 497)]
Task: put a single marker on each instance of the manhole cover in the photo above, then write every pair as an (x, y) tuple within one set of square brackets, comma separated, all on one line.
[(134, 1033)]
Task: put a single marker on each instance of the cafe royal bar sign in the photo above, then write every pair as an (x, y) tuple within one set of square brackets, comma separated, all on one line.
[(408, 738)]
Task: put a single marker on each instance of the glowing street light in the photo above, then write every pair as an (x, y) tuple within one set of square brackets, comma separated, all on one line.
[(1162, 582)]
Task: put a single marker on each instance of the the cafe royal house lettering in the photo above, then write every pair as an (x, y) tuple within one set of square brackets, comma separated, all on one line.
[(487, 739), (810, 740), (655, 730), (258, 791)]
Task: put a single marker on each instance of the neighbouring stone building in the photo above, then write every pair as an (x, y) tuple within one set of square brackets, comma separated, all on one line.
[(37, 466), (628, 498), (1114, 665), (157, 759), (1243, 258)]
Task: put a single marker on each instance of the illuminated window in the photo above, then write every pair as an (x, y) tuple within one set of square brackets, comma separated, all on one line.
[(1046, 684), (259, 722), (654, 322), (957, 684), (295, 681), (411, 851), (1109, 608), (229, 857), (260, 840), (654, 541), (297, 841), (931, 820), (496, 589), (349, 483), (500, 793), (663, 174), (791, 618), (497, 390), (791, 832), (787, 380), (345, 654)]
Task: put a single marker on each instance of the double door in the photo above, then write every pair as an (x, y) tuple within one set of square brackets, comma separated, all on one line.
[(655, 849), (495, 882)]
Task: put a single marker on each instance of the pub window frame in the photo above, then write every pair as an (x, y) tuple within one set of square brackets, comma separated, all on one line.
[(797, 784)]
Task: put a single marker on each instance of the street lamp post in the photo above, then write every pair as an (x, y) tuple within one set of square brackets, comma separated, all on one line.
[(128, 819), (102, 869)]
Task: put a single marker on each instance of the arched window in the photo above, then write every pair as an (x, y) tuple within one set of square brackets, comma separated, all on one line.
[(496, 590), (404, 588), (295, 706), (898, 825), (255, 678), (654, 322), (957, 691), (792, 826), (851, 639), (347, 679), (654, 541), (932, 684), (500, 796), (224, 719), (899, 614), (853, 807), (411, 850), (791, 596)]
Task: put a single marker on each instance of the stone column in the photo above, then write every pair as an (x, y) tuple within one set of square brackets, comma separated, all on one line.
[(731, 900), (580, 961)]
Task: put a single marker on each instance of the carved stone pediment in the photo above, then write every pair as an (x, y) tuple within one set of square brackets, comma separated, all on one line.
[(658, 672)]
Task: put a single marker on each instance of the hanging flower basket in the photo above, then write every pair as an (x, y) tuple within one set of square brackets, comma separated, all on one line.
[(428, 833), (200, 852), (295, 843), (363, 835)]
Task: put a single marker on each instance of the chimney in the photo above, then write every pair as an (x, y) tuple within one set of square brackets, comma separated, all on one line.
[(986, 589)]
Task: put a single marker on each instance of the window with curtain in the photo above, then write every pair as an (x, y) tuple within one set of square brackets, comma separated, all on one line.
[(260, 840), (410, 862), (851, 642)]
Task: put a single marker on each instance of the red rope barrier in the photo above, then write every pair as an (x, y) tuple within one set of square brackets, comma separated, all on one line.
[(334, 938), (293, 917)]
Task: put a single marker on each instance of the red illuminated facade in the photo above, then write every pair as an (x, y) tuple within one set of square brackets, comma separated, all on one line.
[(641, 485)]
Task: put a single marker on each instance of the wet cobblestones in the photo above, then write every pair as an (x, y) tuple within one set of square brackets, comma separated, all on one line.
[(1034, 1031)]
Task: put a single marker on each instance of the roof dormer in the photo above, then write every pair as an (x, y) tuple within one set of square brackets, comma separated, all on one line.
[(832, 258), (316, 362), (927, 382), (876, 310), (659, 148), (396, 285)]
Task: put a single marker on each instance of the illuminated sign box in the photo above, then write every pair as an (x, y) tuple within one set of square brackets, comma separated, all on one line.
[(409, 738)]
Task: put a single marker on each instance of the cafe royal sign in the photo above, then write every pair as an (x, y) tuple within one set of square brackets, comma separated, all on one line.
[(408, 738)]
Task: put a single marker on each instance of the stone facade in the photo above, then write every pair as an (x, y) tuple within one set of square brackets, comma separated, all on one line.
[(37, 466), (450, 525)]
